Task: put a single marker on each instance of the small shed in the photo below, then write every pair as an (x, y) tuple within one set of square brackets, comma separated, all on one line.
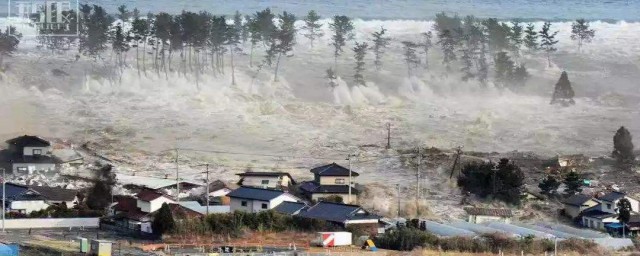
[(482, 215), (100, 248)]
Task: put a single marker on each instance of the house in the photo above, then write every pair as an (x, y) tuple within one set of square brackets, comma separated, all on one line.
[(140, 183), (344, 215), (218, 188), (273, 180), (202, 209), (533, 194), (573, 161), (595, 218), (250, 199), (28, 154), (610, 201), (57, 196), (291, 208), (576, 204), (331, 180), (151, 201), (483, 215)]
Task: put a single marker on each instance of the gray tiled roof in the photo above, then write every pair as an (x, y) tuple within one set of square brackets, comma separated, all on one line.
[(55, 194), (260, 194), (577, 199), (489, 211), (28, 141), (612, 196), (290, 208), (333, 169), (336, 212)]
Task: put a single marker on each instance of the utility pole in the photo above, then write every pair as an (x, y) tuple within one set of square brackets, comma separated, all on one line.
[(419, 157), (398, 196), (177, 176), (4, 196), (455, 161), (207, 185), (495, 170), (388, 135), (350, 182)]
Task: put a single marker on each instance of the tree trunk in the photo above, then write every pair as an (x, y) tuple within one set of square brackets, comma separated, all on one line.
[(155, 61), (275, 76), (233, 68), (549, 58), (251, 55), (138, 58), (144, 57)]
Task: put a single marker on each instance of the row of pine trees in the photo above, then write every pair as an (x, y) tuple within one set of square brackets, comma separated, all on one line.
[(195, 43)]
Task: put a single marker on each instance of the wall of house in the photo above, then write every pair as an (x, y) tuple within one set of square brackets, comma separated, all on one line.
[(28, 206), (597, 224), (282, 198), (345, 197), (611, 206), (28, 151), (574, 211), (32, 168), (236, 205), (484, 219), (332, 180), (274, 182), (157, 203), (143, 205), (52, 223)]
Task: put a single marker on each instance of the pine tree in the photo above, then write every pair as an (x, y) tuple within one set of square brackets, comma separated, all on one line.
[(9, 41), (331, 76), (140, 29), (548, 40), (624, 210), (360, 51), (515, 38), (498, 34), (96, 24), (482, 65), (342, 28), (380, 43), (573, 183), (410, 56), (448, 44), (313, 27), (99, 196), (520, 75), (119, 44), (581, 32), (426, 46), (163, 220), (123, 13), (549, 185), (531, 38), (238, 27), (284, 38), (504, 69), (233, 38), (467, 64), (623, 146), (563, 92)]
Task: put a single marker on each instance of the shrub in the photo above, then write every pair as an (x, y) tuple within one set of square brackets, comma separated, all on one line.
[(405, 239)]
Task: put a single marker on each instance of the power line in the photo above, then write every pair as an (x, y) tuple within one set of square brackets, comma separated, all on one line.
[(252, 154)]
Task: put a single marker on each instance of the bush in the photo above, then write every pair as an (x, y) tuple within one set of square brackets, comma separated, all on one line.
[(405, 239)]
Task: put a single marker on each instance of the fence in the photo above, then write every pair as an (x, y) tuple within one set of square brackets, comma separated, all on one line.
[(51, 223)]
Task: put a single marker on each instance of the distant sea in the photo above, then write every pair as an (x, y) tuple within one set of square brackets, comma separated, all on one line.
[(525, 10)]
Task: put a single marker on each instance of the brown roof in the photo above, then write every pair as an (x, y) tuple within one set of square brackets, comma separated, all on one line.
[(181, 211), (125, 204), (489, 211), (149, 195)]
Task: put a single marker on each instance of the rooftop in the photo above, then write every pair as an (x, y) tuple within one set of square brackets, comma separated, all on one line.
[(28, 141), (498, 212), (337, 212), (612, 196), (290, 208), (150, 195), (55, 194), (577, 199), (195, 206), (260, 194), (333, 169), (595, 212), (149, 182)]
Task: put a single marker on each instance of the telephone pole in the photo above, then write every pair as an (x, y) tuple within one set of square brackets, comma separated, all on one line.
[(350, 182), (419, 157), (207, 185), (398, 196), (455, 161), (388, 135), (177, 176)]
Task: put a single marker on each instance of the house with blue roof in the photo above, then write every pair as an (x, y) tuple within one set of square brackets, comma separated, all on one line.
[(331, 180), (291, 208), (251, 199), (344, 215)]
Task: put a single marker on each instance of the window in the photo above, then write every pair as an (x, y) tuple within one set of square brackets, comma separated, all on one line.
[(609, 206), (265, 182), (22, 169), (244, 203), (264, 206), (37, 152), (339, 181)]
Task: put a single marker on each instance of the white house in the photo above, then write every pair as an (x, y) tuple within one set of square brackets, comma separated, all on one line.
[(273, 180), (25, 199), (151, 201), (249, 199), (29, 154), (483, 215), (331, 180), (609, 202)]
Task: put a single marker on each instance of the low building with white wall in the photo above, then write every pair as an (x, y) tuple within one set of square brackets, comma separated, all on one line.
[(483, 215), (249, 199)]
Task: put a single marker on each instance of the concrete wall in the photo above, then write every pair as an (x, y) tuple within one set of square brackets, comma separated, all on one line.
[(484, 219), (32, 168), (28, 206), (51, 223), (256, 205), (28, 151)]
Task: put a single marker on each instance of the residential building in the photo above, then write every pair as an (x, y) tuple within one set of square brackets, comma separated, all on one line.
[(483, 215), (218, 188), (576, 204), (595, 218), (272, 180), (291, 208), (203, 209), (58, 196), (250, 199), (26, 199), (610, 201), (331, 180), (168, 186), (344, 215), (29, 154), (151, 201)]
